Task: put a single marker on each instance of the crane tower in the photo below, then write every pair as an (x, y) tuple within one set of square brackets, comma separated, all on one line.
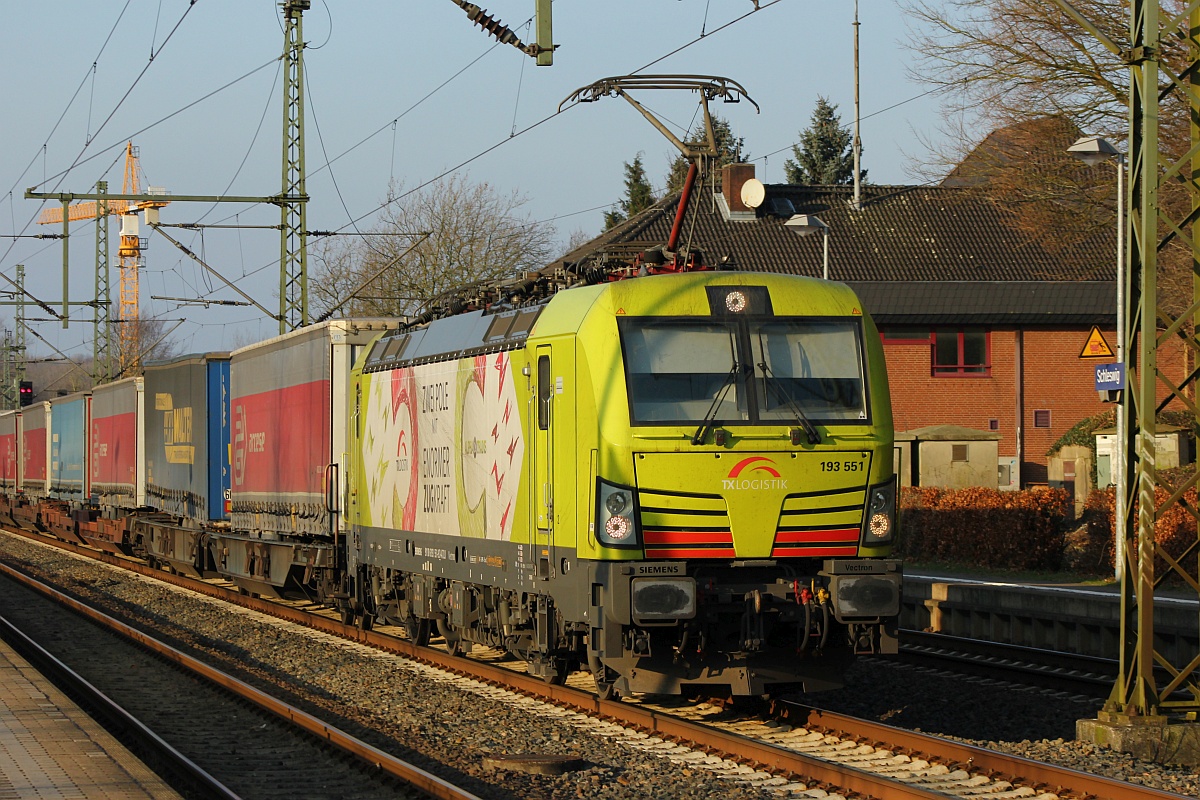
[(130, 252)]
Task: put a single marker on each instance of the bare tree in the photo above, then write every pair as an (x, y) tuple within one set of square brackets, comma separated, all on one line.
[(475, 234), (1005, 64), (1001, 62)]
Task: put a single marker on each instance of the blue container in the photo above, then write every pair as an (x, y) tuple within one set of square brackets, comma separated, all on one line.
[(69, 425), (218, 437)]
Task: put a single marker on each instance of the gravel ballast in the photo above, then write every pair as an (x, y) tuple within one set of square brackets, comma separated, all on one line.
[(449, 725)]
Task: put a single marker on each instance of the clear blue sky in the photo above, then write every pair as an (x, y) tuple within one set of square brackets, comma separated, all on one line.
[(378, 109)]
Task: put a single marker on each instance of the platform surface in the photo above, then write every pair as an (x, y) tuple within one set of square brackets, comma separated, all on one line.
[(49, 748)]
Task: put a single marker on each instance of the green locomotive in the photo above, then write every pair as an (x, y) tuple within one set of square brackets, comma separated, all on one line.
[(670, 480)]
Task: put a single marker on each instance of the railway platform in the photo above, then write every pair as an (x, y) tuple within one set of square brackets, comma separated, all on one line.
[(50, 748)]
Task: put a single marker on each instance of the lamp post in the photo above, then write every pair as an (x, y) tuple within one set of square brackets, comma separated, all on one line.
[(1093, 150), (803, 225)]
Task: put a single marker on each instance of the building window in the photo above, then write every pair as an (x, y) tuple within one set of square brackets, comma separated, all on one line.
[(962, 352), (1041, 418), (993, 424)]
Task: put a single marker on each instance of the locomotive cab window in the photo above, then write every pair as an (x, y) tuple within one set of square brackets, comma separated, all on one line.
[(678, 371), (753, 370), (816, 366)]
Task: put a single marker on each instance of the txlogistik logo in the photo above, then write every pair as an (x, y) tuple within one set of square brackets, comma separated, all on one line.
[(754, 473)]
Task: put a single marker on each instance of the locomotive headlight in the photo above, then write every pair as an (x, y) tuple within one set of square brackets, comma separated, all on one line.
[(879, 527), (616, 516), (617, 502), (617, 528)]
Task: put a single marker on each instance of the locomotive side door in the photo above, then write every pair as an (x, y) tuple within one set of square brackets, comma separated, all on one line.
[(543, 460)]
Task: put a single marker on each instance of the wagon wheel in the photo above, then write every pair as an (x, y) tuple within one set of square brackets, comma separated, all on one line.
[(366, 622), (560, 668), (456, 646), (418, 630), (347, 615), (606, 684)]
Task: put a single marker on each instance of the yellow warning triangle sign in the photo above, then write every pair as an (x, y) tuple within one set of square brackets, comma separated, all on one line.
[(1096, 346)]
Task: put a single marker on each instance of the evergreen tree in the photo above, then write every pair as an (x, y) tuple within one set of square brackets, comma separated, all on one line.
[(639, 195), (730, 150), (825, 154)]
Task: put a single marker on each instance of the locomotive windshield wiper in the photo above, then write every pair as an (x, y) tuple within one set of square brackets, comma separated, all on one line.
[(711, 414), (771, 382)]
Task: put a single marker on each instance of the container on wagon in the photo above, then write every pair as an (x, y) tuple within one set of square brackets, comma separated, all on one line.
[(10, 463), (10, 452), (117, 459), (186, 437), (35, 451), (290, 408), (68, 473)]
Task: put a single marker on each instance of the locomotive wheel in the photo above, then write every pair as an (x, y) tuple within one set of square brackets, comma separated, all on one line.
[(560, 668), (418, 631), (606, 690), (606, 684)]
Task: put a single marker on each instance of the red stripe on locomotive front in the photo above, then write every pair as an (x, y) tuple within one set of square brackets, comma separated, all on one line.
[(652, 536), (803, 552), (828, 535)]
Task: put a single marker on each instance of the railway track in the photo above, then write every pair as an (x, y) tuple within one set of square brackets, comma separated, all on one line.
[(209, 731), (792, 748), (1089, 676)]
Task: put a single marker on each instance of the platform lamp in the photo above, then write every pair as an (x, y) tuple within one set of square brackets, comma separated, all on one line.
[(803, 225), (1093, 150)]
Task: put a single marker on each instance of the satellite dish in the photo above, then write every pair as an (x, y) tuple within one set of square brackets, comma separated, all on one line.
[(753, 193)]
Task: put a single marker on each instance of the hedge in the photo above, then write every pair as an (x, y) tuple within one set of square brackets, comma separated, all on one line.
[(978, 527), (1174, 532)]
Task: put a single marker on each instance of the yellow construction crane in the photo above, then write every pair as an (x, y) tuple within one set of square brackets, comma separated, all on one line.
[(130, 252)]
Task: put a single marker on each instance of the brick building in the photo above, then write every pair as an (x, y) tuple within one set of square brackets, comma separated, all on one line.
[(982, 323)]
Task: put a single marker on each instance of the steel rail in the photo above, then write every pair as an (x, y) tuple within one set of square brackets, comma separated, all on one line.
[(1067, 671), (1016, 769), (99, 703), (397, 768), (750, 751)]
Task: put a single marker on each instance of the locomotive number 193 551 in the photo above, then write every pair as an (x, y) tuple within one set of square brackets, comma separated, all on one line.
[(843, 466)]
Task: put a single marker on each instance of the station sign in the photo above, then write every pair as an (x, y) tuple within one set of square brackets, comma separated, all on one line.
[(1110, 377)]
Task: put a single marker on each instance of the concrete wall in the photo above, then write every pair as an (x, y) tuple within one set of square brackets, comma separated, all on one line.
[(1071, 469), (939, 468)]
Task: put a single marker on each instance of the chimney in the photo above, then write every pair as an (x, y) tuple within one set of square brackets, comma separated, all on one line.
[(733, 178)]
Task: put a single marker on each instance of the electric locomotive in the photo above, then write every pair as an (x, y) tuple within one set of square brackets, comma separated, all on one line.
[(673, 480)]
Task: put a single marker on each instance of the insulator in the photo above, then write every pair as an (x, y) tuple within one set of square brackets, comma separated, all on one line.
[(491, 24)]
